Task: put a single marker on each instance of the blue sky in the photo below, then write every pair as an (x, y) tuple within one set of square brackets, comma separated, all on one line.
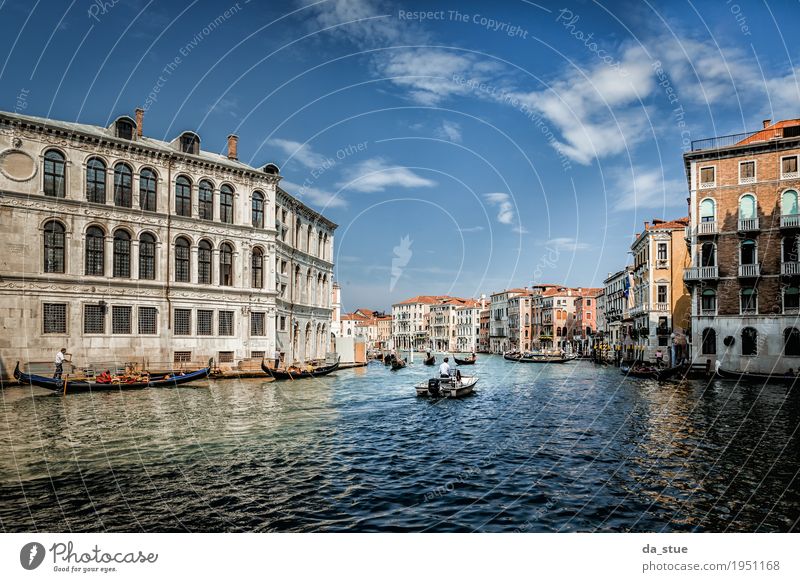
[(479, 147)]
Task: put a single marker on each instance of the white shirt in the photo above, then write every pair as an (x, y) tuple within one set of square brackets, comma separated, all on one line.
[(444, 369), (60, 357)]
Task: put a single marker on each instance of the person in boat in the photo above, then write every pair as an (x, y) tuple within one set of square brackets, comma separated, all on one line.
[(61, 355), (104, 377), (659, 357), (444, 369), (472, 356)]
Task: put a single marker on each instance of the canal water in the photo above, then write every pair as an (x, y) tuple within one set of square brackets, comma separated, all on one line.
[(538, 448)]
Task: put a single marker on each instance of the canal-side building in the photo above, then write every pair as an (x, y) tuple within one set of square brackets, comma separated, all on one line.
[(499, 340), (661, 302), (484, 319), (519, 321), (744, 276), (410, 322), (443, 323), (468, 325), (122, 248), (615, 307), (586, 320)]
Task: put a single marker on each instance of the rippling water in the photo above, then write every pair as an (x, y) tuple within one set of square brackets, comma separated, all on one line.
[(569, 447)]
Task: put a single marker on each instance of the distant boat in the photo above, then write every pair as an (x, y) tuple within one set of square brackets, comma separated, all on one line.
[(398, 364), (538, 358), (71, 386), (757, 377), (429, 361), (649, 372), (464, 362), (300, 374), (447, 387)]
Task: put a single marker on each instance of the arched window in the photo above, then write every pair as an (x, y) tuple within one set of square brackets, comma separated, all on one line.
[(54, 237), (124, 129), (708, 255), (707, 210), (749, 342), (204, 255), (205, 202), (122, 254), (95, 251), (309, 238), (148, 190), (748, 253), (183, 196), (747, 207), (226, 204), (749, 300), (791, 342), (225, 265), (123, 185), (257, 271), (789, 203), (147, 256), (96, 181), (298, 233), (708, 302), (296, 294), (791, 300), (55, 173), (309, 289), (258, 210), (320, 248), (182, 258), (709, 344)]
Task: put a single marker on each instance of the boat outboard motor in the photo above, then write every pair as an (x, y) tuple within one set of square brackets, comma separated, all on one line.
[(433, 386)]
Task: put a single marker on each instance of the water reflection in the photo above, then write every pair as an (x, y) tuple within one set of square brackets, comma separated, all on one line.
[(565, 447)]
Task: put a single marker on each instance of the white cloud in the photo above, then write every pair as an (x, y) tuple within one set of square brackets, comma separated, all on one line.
[(375, 175), (471, 229), (638, 188), (300, 152), (450, 131), (520, 229), (313, 195), (505, 209), (566, 244)]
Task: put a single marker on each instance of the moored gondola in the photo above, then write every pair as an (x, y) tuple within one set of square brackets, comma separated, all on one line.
[(756, 377), (466, 361), (67, 386), (650, 372), (538, 358), (398, 364), (429, 361), (299, 374)]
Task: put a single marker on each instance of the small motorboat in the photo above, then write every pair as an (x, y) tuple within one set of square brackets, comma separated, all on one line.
[(429, 361), (453, 387), (398, 364), (756, 377), (649, 372), (83, 385), (299, 373), (466, 361)]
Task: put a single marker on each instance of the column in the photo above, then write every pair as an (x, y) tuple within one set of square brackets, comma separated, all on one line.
[(194, 267)]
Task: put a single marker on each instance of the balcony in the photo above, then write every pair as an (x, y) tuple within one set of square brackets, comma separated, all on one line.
[(700, 273), (790, 221), (687, 232), (748, 224), (708, 311), (662, 307), (790, 268), (790, 175), (753, 270), (706, 228)]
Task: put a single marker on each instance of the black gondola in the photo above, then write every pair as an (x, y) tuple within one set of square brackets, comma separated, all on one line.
[(387, 359), (430, 361), (71, 386), (538, 358), (756, 377), (300, 374), (650, 373), (465, 362), (398, 364)]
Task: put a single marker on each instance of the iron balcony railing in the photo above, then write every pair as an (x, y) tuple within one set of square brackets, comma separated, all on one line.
[(720, 141)]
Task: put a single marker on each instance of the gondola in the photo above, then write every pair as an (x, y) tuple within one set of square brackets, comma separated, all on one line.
[(756, 377), (538, 358), (466, 362), (300, 374), (398, 364), (387, 359), (429, 361), (71, 386), (650, 373)]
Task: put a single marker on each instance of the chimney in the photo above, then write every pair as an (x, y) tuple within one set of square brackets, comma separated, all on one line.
[(233, 142), (139, 121), (766, 122)]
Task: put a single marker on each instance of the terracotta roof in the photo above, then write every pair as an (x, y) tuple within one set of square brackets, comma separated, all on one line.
[(770, 132), (426, 299), (469, 304), (669, 224)]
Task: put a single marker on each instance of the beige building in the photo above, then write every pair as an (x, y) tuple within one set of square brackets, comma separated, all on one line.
[(125, 248), (410, 322)]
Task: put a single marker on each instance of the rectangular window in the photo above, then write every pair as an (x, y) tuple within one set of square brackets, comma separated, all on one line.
[(94, 319), (789, 167), (662, 293), (747, 172), (257, 355), (54, 318), (282, 323), (226, 357), (183, 322), (120, 319), (226, 323), (205, 322), (708, 177), (662, 251), (148, 320), (257, 323), (182, 357)]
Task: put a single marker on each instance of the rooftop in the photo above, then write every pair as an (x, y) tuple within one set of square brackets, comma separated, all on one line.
[(770, 131)]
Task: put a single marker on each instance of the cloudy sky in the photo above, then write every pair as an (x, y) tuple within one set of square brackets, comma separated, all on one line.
[(493, 144)]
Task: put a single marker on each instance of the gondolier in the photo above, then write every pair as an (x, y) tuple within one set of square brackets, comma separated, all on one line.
[(61, 355), (444, 369)]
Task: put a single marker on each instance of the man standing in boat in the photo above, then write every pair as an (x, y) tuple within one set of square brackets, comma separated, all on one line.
[(444, 369), (61, 355)]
